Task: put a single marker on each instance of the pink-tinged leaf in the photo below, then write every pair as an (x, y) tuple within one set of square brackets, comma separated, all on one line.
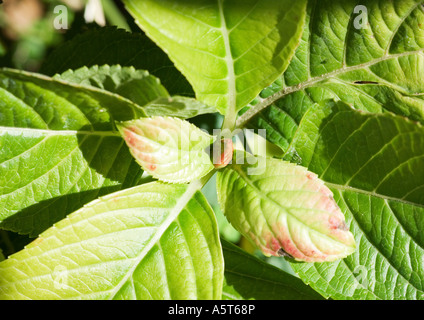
[(284, 210), (169, 149)]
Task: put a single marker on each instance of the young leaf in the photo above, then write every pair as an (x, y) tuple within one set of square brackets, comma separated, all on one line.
[(373, 66), (283, 209), (247, 277), (374, 165), (59, 149), (155, 241), (136, 85), (228, 50), (170, 149)]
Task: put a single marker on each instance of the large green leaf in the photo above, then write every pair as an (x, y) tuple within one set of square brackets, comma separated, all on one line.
[(375, 68), (374, 165), (170, 149), (59, 149), (283, 209), (228, 50), (247, 277), (155, 241)]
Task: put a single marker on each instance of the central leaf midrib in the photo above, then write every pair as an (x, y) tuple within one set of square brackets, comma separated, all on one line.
[(229, 61)]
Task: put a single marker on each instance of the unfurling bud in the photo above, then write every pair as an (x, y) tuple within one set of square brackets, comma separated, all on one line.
[(222, 153)]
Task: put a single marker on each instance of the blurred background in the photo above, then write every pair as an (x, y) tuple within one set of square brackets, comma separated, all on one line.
[(30, 29)]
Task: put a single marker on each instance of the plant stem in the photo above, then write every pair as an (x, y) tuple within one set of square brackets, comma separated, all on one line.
[(229, 121)]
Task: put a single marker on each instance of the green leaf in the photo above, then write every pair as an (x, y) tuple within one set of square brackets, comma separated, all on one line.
[(169, 149), (228, 50), (113, 46), (180, 107), (374, 165), (59, 149), (136, 85), (376, 68), (226, 230), (247, 277), (283, 209), (155, 241)]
